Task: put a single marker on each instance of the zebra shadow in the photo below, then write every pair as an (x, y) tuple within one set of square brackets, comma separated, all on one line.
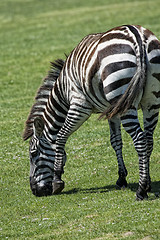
[(132, 186)]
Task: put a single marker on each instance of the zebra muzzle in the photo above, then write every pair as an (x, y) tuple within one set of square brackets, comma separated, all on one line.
[(40, 190)]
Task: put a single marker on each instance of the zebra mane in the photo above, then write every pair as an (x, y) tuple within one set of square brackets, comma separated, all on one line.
[(42, 96)]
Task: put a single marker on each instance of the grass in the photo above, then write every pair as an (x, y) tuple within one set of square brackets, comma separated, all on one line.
[(33, 33)]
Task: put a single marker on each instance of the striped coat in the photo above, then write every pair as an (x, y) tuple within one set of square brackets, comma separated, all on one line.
[(112, 73)]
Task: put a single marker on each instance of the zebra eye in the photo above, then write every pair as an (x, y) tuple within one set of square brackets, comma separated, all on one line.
[(34, 153)]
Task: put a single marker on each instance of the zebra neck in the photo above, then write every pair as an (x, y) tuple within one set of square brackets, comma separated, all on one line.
[(54, 115)]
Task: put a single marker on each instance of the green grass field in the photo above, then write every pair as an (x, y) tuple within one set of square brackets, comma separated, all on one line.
[(33, 33)]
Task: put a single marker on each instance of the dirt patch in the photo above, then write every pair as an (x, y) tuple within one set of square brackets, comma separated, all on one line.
[(127, 234)]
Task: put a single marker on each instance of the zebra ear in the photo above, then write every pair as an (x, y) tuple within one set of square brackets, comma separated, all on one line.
[(38, 126)]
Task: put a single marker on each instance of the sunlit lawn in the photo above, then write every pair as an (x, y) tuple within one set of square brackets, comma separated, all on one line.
[(33, 33)]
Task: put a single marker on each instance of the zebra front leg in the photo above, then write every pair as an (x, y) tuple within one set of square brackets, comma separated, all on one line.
[(131, 124), (77, 115), (116, 142), (58, 184)]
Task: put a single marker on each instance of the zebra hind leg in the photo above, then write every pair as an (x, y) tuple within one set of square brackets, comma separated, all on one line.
[(132, 126), (150, 119), (121, 182), (76, 116), (116, 142)]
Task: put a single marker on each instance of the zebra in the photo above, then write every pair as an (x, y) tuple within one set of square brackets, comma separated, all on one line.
[(113, 74)]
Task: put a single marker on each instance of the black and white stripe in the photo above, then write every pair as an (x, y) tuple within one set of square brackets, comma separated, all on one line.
[(111, 73)]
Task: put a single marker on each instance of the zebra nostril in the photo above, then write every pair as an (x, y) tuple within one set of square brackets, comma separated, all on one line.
[(43, 191), (40, 190)]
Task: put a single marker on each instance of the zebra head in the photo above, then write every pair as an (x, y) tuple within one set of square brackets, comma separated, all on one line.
[(42, 156), (40, 166)]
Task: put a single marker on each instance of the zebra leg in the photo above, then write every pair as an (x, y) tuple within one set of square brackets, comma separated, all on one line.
[(76, 116), (150, 119), (132, 126), (116, 142)]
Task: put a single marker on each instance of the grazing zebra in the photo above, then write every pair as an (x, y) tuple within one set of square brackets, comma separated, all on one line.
[(112, 73)]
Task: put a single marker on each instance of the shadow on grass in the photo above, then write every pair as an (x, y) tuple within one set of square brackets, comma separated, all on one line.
[(132, 186)]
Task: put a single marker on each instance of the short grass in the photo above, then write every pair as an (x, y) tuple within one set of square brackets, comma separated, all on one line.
[(33, 33)]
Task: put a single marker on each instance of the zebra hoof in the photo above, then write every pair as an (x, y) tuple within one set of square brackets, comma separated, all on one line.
[(141, 194), (57, 187), (149, 189), (121, 183)]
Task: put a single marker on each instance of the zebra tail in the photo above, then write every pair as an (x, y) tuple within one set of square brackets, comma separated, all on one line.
[(135, 87)]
